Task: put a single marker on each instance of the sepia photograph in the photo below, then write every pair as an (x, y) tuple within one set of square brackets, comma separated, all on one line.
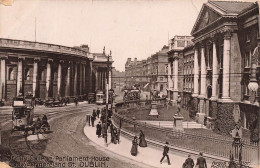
[(129, 83)]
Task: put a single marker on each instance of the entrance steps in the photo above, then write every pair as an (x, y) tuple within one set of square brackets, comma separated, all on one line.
[(169, 124)]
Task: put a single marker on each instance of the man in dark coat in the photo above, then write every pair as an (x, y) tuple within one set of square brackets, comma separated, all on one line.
[(98, 132), (165, 153), (201, 161), (189, 163), (98, 112), (93, 118)]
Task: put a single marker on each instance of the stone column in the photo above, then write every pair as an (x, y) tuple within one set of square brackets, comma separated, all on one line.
[(196, 73), (59, 78), (90, 78), (3, 78), (48, 77), (110, 80), (202, 95), (80, 79), (97, 77), (226, 66), (203, 73), (214, 72), (84, 79), (67, 91), (19, 86), (76, 79), (35, 75), (176, 68)]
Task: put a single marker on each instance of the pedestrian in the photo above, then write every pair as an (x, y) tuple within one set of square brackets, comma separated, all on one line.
[(98, 132), (76, 101), (114, 135), (118, 136), (92, 120), (103, 129), (110, 130), (98, 112), (189, 163), (142, 141), (94, 113), (201, 161), (165, 153), (134, 146)]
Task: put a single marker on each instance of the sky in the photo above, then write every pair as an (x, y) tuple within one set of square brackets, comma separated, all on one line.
[(129, 28)]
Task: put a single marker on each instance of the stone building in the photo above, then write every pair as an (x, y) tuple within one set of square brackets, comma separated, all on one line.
[(45, 70), (225, 36), (150, 73), (175, 66)]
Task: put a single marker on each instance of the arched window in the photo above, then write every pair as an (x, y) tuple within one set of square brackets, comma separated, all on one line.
[(11, 74), (27, 74)]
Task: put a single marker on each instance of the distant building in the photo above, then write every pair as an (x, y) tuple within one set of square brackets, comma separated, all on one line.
[(176, 66), (150, 73)]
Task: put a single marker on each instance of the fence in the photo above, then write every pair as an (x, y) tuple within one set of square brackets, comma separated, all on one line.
[(211, 144)]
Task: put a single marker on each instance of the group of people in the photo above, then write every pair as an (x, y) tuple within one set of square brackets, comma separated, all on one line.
[(142, 143), (105, 125), (189, 163)]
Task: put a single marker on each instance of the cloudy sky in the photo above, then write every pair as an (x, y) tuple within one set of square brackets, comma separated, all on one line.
[(130, 28)]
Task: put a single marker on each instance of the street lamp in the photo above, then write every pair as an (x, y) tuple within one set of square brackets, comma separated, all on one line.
[(253, 85)]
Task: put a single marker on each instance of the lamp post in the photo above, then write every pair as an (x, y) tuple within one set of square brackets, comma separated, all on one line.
[(253, 85)]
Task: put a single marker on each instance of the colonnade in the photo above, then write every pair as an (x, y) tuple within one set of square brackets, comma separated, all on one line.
[(200, 91), (101, 79), (69, 79)]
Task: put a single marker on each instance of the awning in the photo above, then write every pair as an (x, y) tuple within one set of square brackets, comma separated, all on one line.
[(146, 85)]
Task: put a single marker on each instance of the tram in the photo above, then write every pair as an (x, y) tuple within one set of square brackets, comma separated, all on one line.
[(101, 97), (23, 112)]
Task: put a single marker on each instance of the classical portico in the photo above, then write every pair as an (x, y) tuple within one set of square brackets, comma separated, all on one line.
[(215, 60)]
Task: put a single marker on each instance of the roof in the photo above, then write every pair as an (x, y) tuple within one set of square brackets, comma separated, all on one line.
[(232, 6)]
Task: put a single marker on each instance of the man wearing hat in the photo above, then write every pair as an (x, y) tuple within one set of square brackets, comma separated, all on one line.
[(189, 163), (165, 153), (201, 161)]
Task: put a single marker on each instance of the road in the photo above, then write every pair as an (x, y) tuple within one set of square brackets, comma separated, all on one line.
[(66, 142)]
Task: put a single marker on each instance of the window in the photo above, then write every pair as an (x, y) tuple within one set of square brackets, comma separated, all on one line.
[(247, 38), (166, 68), (247, 59), (161, 87), (11, 74), (27, 74)]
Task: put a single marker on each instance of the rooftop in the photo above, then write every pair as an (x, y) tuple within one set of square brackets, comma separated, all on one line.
[(232, 6)]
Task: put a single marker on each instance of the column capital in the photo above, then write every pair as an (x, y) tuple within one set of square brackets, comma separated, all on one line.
[(227, 34), (37, 59), (61, 61), (2, 57), (202, 45), (50, 60), (21, 58)]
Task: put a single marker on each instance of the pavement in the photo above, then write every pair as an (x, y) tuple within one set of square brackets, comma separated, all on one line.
[(149, 156)]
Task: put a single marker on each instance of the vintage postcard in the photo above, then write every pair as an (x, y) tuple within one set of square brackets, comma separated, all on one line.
[(129, 83)]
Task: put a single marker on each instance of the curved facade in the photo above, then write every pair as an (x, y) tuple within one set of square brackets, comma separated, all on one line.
[(45, 70)]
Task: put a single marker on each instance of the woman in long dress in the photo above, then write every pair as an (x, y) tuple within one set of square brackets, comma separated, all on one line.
[(142, 141), (134, 146)]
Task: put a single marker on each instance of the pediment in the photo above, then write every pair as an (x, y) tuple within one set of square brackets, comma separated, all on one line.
[(206, 16)]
